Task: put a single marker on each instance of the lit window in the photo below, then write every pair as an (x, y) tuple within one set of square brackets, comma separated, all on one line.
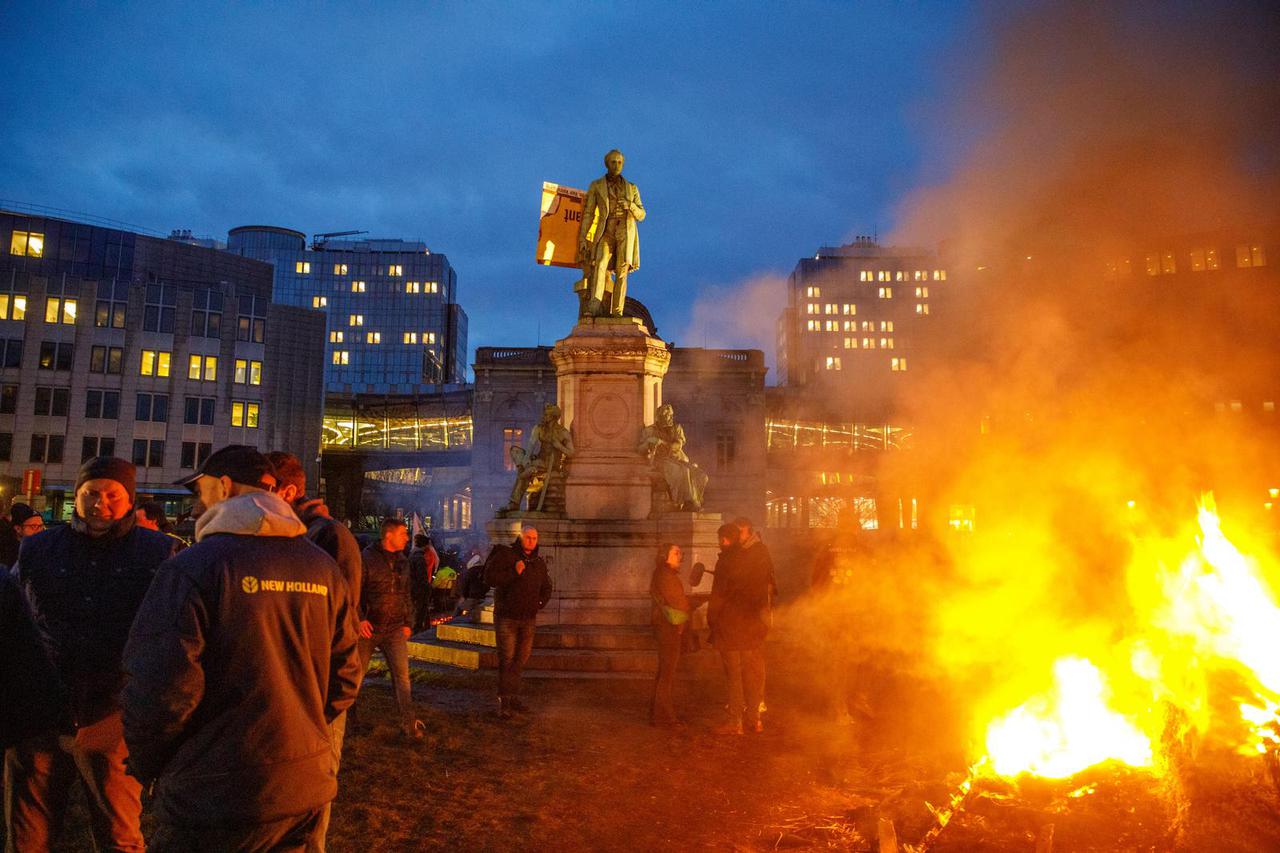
[(373, 337), (355, 320), (866, 275), (886, 325), (244, 413), (883, 275), (1167, 264), (428, 337), (155, 363), (319, 301), (922, 309), (1269, 406), (431, 287), (203, 367), (335, 337), (302, 267), (1152, 263), (868, 343), (241, 374), (815, 325), (868, 326), (1211, 259), (60, 309), (886, 293), (410, 337), (357, 287), (813, 292), (897, 364), (339, 269), (833, 362), (922, 275), (237, 413), (13, 306), (413, 287), (886, 343), (395, 269), (922, 293), (251, 415), (1197, 260), (812, 308), (830, 308), (255, 372), (900, 276), (850, 343), (849, 308), (831, 326), (28, 243), (341, 356), (850, 325), (1252, 255)]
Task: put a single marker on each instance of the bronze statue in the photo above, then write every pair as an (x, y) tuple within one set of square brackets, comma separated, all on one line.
[(550, 444), (614, 247), (663, 444)]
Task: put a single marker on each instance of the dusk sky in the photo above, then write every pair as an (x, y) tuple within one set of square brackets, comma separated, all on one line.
[(755, 132)]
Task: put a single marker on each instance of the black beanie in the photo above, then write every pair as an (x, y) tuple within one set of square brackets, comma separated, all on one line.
[(109, 468)]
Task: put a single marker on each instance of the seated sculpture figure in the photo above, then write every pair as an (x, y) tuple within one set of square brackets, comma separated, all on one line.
[(550, 444), (663, 445)]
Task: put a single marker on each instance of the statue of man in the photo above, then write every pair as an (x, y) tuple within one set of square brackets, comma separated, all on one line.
[(613, 203), (663, 444), (550, 444)]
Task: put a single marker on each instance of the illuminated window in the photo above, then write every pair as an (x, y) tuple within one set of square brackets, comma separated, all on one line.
[(373, 337), (155, 363), (413, 287), (812, 308), (13, 306), (850, 343), (59, 309), (410, 337), (922, 293), (831, 326), (302, 267), (868, 326), (357, 287), (1251, 255), (341, 356), (431, 287), (339, 269), (833, 362), (849, 308), (319, 301), (866, 275), (1269, 406), (883, 275), (830, 308), (28, 243), (203, 367), (1204, 259), (1152, 263), (886, 343), (849, 325), (897, 364), (395, 269), (921, 275), (939, 275), (244, 413), (868, 343), (335, 337), (813, 292), (886, 293), (922, 308), (355, 320), (815, 325), (900, 276), (886, 325), (248, 371), (1237, 406), (1167, 263), (428, 337)]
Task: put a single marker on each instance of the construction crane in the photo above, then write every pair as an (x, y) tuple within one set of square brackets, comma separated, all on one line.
[(320, 239)]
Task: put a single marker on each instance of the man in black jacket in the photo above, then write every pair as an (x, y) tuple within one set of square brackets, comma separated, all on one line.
[(83, 581), (386, 612), (521, 587), (338, 542), (242, 653)]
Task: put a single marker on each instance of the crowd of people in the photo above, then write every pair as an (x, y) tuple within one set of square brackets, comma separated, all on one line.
[(216, 675)]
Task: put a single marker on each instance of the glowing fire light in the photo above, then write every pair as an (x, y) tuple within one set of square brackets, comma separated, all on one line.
[(1068, 729), (1201, 607)]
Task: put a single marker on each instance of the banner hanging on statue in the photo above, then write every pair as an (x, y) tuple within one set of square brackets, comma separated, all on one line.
[(558, 225)]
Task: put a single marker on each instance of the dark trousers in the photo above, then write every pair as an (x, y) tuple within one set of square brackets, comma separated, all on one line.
[(744, 670), (39, 773), (395, 648), (515, 643), (290, 835), (337, 734), (422, 612), (662, 707)]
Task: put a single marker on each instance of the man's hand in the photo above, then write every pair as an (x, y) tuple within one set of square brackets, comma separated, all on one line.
[(520, 567), (366, 628)]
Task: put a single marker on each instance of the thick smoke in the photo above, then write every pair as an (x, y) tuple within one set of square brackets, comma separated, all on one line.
[(1076, 410)]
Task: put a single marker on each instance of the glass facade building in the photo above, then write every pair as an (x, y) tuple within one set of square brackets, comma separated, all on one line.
[(394, 323)]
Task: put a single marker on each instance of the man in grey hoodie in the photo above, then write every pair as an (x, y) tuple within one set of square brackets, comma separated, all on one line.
[(242, 653)]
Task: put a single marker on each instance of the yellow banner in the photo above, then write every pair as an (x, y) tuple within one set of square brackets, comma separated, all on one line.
[(558, 226)]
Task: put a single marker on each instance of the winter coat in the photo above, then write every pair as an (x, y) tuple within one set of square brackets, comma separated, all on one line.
[(33, 701), (335, 540), (473, 585), (385, 599), (739, 610), (517, 595), (595, 208), (422, 568), (83, 591), (670, 604), (242, 653)]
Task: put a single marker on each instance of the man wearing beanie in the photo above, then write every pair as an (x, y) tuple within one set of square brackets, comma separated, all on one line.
[(242, 654), (83, 583)]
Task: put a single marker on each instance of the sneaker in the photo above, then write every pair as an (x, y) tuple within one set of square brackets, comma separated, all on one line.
[(730, 728)]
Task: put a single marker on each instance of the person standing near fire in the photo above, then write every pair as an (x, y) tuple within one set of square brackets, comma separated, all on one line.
[(739, 615), (423, 562), (386, 609), (521, 587), (670, 619)]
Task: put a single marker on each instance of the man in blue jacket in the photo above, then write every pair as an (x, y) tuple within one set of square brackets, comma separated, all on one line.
[(83, 582), (243, 652)]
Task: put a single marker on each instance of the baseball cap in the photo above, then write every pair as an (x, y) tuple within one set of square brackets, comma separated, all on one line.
[(242, 463)]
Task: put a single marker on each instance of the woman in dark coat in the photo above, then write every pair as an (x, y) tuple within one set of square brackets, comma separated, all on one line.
[(670, 618)]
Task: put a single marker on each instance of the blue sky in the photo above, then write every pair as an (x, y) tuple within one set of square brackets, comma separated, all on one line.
[(756, 132)]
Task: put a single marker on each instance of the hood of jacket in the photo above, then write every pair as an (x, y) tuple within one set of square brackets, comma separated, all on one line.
[(250, 514), (752, 540), (310, 509)]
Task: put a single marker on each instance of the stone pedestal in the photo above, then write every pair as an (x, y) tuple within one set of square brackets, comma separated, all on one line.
[(609, 384)]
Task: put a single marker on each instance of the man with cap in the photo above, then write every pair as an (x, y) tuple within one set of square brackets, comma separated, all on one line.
[(242, 654), (23, 522), (83, 582)]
